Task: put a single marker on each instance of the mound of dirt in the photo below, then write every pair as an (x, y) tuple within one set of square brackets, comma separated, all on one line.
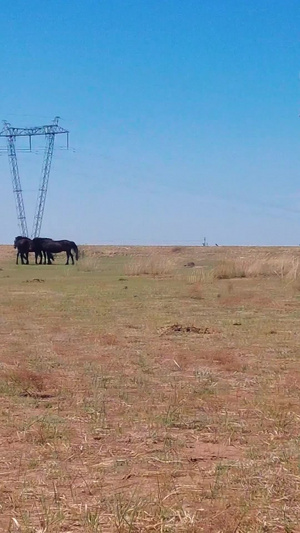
[(35, 280), (179, 328)]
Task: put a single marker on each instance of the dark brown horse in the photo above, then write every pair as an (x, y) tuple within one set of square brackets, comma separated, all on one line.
[(50, 247)]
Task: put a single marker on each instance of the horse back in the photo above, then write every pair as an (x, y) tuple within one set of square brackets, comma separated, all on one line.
[(53, 247)]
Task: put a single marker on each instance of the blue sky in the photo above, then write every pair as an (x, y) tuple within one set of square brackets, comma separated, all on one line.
[(183, 118)]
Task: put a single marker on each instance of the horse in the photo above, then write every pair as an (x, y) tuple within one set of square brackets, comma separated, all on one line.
[(26, 245), (37, 247), (22, 244), (50, 247)]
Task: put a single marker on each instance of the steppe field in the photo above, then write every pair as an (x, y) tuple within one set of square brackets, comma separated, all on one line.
[(151, 390)]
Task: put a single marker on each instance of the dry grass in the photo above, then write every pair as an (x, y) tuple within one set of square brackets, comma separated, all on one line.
[(150, 266), (89, 264), (25, 381), (108, 425), (284, 267), (197, 290), (200, 275), (229, 270)]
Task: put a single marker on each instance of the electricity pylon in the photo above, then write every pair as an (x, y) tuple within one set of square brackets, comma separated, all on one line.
[(11, 134)]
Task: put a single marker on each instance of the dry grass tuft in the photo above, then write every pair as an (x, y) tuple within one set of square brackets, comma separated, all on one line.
[(150, 266), (229, 270), (200, 275), (26, 382), (284, 267)]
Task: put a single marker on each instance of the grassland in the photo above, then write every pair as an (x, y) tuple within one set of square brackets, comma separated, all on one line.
[(142, 395)]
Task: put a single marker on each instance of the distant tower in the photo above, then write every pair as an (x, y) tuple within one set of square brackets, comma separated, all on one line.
[(11, 133)]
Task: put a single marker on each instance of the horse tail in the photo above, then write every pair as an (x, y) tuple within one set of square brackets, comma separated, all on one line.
[(75, 248)]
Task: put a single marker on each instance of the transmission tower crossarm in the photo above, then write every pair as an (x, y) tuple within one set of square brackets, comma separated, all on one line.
[(9, 131)]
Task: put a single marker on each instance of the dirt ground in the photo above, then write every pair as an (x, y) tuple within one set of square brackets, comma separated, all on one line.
[(151, 389)]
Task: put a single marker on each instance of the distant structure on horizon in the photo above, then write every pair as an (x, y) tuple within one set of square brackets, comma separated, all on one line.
[(11, 133)]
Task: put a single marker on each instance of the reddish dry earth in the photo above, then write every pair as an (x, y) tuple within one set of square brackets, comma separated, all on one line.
[(139, 395)]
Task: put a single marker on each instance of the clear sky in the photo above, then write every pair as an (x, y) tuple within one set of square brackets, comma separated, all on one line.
[(183, 118)]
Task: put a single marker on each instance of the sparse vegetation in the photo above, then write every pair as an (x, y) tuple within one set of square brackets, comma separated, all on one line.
[(151, 266), (140, 395), (284, 267), (229, 270)]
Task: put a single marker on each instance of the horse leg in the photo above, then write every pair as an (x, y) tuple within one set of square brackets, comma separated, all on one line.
[(27, 258), (38, 256), (49, 258), (17, 259), (71, 255), (68, 257)]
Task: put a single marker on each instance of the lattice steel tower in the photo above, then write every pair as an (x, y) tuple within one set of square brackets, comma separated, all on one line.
[(11, 133)]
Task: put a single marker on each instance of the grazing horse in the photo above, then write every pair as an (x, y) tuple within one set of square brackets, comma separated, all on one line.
[(50, 247)]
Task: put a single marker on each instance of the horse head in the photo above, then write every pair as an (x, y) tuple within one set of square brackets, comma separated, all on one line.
[(20, 238), (16, 240)]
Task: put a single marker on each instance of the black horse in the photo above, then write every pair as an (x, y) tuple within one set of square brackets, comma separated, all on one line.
[(25, 245), (50, 247), (37, 246), (22, 244)]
